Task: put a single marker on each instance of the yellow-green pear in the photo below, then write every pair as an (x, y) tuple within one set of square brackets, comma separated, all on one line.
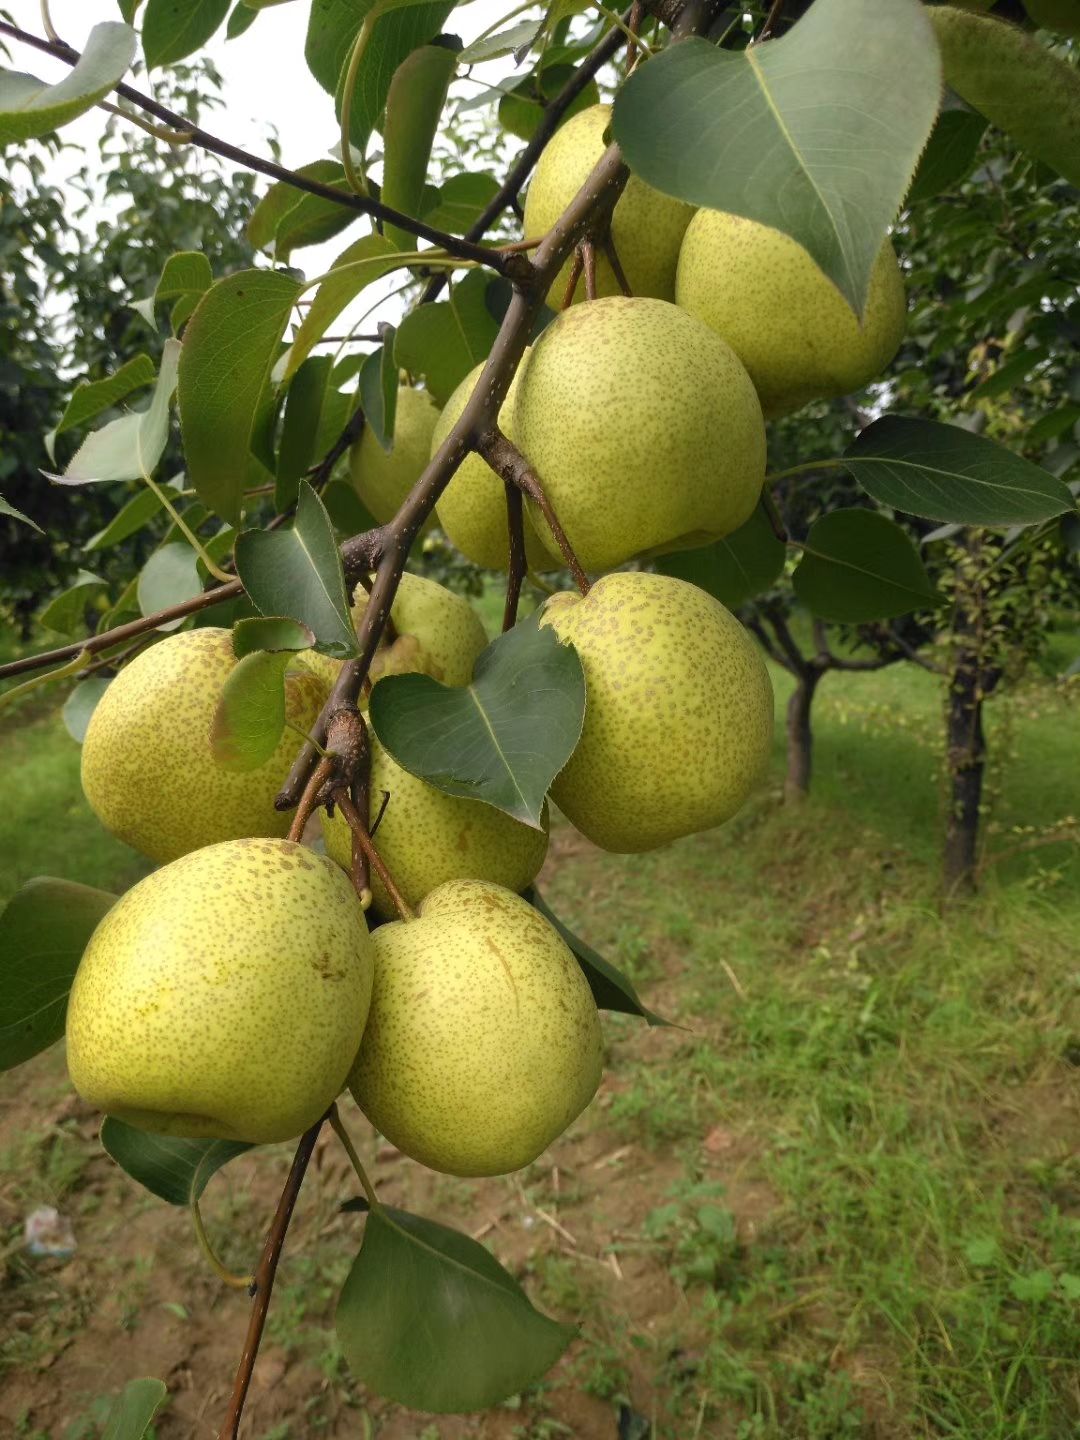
[(646, 227), (643, 427), (428, 838), (224, 996), (678, 714), (483, 1042), (760, 291), (472, 508), (147, 768), (439, 633), (383, 478)]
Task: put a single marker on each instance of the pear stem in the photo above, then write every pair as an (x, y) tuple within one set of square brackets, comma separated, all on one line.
[(572, 279), (517, 564), (511, 465), (588, 257), (343, 800), (263, 1283), (338, 1127), (309, 801), (222, 1271)]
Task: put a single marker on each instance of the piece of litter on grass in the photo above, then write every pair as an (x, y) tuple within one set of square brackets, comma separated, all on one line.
[(49, 1235)]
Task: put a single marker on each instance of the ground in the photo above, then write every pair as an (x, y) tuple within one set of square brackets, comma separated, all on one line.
[(840, 1197)]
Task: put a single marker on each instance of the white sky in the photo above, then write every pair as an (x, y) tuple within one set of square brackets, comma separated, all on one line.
[(266, 87)]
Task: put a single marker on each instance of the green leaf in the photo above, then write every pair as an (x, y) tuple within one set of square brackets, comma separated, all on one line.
[(297, 573), (1070, 1286), (185, 273), (367, 260), (1018, 84), (983, 1251), (348, 513), (230, 346), (502, 739), (282, 197), (735, 569), (414, 104), (949, 155), (942, 472), (858, 566), (241, 19), (43, 933), (314, 219), (503, 42), (1011, 373), (131, 447), (430, 1319), (6, 508), (133, 1409), (300, 428), (457, 203), (81, 704), (610, 987), (273, 632), (442, 342), (30, 108), (378, 390), (67, 613), (250, 714), (132, 516), (174, 29), (168, 578), (173, 1169), (1033, 1289), (94, 396), (816, 134)]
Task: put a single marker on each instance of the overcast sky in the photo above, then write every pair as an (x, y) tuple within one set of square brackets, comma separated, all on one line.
[(267, 85)]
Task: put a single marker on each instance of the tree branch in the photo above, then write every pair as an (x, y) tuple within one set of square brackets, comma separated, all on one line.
[(517, 563), (264, 1280), (798, 663), (506, 264)]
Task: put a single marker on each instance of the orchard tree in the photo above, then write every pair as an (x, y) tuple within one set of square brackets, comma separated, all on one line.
[(709, 251)]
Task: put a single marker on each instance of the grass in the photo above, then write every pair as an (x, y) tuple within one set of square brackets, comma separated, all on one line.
[(883, 1242)]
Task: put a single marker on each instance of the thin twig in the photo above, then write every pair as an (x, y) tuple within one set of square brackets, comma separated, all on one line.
[(352, 815), (771, 21), (587, 250), (264, 1280), (608, 247), (515, 573), (573, 276), (511, 465), (309, 801)]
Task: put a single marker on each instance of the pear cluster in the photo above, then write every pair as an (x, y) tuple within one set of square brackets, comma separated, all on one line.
[(238, 990)]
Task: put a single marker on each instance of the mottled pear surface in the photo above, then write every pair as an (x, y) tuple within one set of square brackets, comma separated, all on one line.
[(678, 714), (383, 478), (147, 768), (472, 508), (646, 227), (224, 995), (438, 633), (483, 1041), (627, 477), (428, 838), (760, 291)]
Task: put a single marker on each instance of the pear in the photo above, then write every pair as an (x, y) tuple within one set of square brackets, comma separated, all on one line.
[(383, 478), (679, 713), (472, 508), (784, 318), (438, 632), (147, 768), (428, 838), (643, 427), (483, 1041), (224, 996), (646, 227)]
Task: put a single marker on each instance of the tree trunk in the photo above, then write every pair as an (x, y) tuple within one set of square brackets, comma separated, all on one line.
[(800, 738), (966, 763)]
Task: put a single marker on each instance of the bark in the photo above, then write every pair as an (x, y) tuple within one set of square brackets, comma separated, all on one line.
[(800, 737), (966, 764)]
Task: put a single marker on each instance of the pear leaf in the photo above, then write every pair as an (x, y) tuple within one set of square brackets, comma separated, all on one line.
[(734, 569), (81, 704), (857, 566), (43, 933), (430, 1319), (274, 632), (128, 448), (250, 714), (816, 134), (364, 262), (133, 1409), (93, 396), (173, 31), (13, 513), (949, 154), (168, 578), (67, 613), (502, 739), (442, 342), (378, 391), (30, 108), (943, 472), (173, 1169), (610, 987)]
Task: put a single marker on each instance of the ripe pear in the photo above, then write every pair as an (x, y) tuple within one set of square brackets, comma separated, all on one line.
[(784, 318), (224, 996), (646, 227), (678, 716), (643, 427), (472, 508), (439, 633), (428, 838), (483, 1041), (147, 768), (383, 478)]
